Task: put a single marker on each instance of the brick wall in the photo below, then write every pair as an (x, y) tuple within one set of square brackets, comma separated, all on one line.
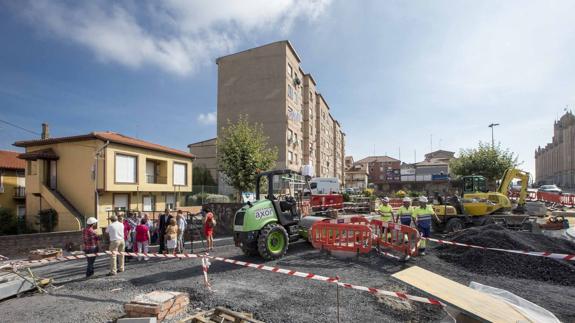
[(13, 245)]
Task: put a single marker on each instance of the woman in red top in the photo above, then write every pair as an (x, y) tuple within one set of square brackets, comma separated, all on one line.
[(209, 224), (142, 238)]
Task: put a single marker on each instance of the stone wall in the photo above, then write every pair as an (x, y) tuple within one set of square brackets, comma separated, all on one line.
[(14, 245)]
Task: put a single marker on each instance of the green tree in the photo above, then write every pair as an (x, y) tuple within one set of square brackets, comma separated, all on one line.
[(8, 222), (202, 176), (243, 151), (484, 160)]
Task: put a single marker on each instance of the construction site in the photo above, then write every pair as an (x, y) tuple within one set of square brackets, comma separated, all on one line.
[(312, 258), (407, 161)]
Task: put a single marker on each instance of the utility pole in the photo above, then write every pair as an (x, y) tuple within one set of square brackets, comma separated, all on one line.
[(492, 138)]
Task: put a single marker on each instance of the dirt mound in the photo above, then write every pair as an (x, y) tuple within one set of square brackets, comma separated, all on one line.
[(489, 262)]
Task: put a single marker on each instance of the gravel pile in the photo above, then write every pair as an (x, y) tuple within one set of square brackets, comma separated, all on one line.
[(507, 264)]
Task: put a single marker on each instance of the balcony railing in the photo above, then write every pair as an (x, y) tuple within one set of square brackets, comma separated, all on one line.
[(153, 179), (19, 192)]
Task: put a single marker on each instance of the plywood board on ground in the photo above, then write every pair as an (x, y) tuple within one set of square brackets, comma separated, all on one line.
[(477, 304)]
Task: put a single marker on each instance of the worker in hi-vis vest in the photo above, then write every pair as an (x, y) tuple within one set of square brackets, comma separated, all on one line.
[(404, 212), (385, 211), (423, 216)]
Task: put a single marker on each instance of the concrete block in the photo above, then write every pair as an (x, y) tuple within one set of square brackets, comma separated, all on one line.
[(160, 304), (138, 320)]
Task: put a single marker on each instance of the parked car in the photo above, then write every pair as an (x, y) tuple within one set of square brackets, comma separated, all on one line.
[(550, 189)]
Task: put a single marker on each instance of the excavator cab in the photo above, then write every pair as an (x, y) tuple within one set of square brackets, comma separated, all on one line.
[(474, 184)]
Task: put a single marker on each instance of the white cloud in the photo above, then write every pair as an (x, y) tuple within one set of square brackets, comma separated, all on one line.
[(175, 35), (207, 119)]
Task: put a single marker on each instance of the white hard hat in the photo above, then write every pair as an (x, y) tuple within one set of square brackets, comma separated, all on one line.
[(91, 220), (385, 199), (423, 199), (406, 199)]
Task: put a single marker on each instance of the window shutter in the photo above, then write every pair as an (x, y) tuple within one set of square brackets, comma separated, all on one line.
[(179, 174), (125, 169)]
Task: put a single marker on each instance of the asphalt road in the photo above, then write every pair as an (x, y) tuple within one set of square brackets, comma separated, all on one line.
[(272, 297)]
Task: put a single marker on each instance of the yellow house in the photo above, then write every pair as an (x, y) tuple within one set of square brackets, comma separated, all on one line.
[(94, 174), (12, 183)]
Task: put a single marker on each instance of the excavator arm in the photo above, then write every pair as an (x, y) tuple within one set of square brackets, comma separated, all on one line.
[(508, 176)]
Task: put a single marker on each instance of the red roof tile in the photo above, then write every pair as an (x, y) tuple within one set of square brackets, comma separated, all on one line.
[(113, 137), (9, 159)]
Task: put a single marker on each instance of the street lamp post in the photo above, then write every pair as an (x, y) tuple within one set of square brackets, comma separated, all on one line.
[(492, 139)]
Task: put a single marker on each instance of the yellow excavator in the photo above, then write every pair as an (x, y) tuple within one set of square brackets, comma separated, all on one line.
[(478, 206)]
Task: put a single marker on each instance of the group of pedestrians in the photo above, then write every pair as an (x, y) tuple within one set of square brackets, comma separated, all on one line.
[(134, 233)]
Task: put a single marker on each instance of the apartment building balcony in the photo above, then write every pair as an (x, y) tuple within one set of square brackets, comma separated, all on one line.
[(154, 179), (19, 192)]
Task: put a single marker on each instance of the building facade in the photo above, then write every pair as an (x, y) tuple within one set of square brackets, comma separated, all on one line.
[(356, 174), (12, 183), (205, 155), (268, 86), (383, 171), (555, 163), (95, 174), (435, 167)]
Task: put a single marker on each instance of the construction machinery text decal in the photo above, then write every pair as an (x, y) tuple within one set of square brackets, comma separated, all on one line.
[(264, 213)]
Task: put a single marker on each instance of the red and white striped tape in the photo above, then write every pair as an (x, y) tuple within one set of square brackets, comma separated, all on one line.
[(206, 264), (334, 280), (559, 256)]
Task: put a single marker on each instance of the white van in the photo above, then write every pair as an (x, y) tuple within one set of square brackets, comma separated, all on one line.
[(324, 185)]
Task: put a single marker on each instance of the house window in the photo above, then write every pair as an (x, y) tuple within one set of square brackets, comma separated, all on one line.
[(290, 70), (21, 212), (296, 159), (180, 174), (20, 179), (126, 168), (289, 135), (150, 171), (171, 201), (121, 202), (295, 138), (290, 92), (149, 203), (290, 157)]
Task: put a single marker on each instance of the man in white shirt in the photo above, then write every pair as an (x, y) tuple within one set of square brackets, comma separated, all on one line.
[(117, 244)]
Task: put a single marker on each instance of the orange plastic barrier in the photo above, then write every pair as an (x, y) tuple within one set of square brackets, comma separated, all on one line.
[(394, 236), (326, 201), (341, 237)]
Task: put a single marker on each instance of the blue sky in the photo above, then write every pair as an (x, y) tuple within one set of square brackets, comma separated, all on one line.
[(395, 73)]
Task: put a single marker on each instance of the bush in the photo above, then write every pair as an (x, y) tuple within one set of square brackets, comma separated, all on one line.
[(48, 219), (215, 198), (400, 194), (8, 222)]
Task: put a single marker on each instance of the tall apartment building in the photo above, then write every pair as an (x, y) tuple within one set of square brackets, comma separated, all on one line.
[(555, 163), (269, 87)]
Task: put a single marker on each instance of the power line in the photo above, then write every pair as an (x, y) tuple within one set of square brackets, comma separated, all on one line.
[(19, 127)]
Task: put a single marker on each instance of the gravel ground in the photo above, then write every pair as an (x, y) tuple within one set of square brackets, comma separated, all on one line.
[(271, 297)]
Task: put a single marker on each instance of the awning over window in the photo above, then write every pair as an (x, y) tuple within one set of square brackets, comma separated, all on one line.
[(48, 154)]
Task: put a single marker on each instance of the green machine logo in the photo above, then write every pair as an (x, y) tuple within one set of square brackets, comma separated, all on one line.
[(264, 213)]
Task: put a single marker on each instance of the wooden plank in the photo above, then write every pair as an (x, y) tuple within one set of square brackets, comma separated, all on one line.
[(480, 305)]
